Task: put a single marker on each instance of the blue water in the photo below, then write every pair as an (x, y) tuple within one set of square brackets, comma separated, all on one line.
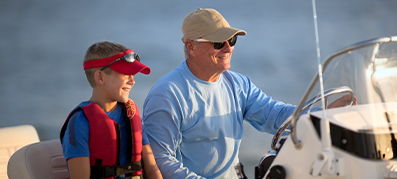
[(42, 45)]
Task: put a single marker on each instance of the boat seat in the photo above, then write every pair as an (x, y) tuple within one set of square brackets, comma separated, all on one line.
[(41, 160), (12, 139)]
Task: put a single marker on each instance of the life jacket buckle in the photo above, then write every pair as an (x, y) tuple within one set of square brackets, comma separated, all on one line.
[(109, 171)]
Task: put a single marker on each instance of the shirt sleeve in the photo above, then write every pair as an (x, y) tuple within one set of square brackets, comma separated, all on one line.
[(75, 140), (266, 114), (145, 140), (162, 125), (260, 110)]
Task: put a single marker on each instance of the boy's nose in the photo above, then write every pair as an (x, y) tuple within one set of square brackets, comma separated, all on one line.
[(130, 79)]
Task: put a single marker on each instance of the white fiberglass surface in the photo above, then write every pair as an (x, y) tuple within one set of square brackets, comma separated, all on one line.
[(380, 117)]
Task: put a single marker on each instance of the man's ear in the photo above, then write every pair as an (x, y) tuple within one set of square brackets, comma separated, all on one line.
[(98, 77), (189, 46)]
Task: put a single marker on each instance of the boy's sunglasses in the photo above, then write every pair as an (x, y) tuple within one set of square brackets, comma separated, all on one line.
[(219, 45), (129, 57)]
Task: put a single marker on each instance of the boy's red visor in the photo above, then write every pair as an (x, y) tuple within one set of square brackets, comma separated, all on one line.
[(123, 62)]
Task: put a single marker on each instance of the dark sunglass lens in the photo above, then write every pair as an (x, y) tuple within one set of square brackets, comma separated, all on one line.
[(137, 57), (219, 45), (232, 41)]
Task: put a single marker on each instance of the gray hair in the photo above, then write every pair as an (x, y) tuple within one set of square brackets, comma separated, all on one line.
[(187, 55)]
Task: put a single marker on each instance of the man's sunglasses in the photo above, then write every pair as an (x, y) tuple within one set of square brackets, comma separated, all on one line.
[(219, 45), (129, 57), (232, 41)]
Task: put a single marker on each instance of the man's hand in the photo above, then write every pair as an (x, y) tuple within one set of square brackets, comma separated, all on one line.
[(340, 102)]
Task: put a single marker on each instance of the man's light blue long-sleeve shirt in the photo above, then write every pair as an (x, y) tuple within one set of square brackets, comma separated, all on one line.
[(195, 127)]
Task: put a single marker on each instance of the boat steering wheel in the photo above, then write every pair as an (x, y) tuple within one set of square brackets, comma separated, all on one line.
[(310, 103)]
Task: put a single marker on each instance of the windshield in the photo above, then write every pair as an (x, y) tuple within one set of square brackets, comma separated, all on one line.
[(371, 73), (369, 128)]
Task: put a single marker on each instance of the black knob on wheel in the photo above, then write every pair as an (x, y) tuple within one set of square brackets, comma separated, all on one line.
[(277, 172)]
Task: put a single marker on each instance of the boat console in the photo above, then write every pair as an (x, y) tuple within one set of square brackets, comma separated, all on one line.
[(354, 141)]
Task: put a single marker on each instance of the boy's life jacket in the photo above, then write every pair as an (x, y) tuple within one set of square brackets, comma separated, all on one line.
[(104, 141)]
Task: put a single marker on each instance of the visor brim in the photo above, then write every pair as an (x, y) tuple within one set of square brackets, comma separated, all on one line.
[(133, 68)]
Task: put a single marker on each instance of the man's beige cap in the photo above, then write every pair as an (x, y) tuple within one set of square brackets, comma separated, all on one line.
[(208, 24)]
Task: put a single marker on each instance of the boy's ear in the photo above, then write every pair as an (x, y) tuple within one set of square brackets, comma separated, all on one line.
[(98, 77)]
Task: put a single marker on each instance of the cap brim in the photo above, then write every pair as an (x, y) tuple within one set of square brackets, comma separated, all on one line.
[(224, 34), (133, 68)]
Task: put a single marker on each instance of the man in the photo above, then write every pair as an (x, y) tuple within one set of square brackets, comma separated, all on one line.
[(194, 114)]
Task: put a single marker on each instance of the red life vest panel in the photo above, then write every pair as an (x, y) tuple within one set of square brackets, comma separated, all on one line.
[(104, 140)]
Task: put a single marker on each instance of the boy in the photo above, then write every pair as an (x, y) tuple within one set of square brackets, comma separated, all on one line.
[(102, 137)]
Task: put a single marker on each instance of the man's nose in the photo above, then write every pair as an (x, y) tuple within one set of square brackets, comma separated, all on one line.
[(227, 47)]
